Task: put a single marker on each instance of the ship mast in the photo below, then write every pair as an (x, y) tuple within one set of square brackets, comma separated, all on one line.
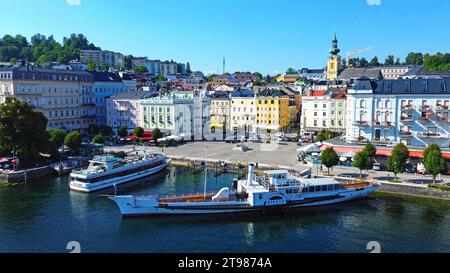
[(206, 173)]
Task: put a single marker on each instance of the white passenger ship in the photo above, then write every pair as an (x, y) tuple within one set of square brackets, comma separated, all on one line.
[(107, 171), (275, 190)]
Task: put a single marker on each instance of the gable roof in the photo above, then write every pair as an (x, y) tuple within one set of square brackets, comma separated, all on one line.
[(100, 76)]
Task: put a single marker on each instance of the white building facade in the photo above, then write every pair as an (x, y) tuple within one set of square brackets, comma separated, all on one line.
[(105, 85), (414, 112)]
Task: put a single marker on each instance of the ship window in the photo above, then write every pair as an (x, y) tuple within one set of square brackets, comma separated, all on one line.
[(260, 196), (330, 187), (276, 198), (324, 188), (317, 189), (337, 187), (311, 189), (305, 190)]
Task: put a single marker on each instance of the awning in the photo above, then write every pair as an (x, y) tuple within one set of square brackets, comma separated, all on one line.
[(309, 149)]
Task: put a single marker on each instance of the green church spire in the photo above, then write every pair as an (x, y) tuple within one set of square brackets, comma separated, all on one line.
[(335, 50)]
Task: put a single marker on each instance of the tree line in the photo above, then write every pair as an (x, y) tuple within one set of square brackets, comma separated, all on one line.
[(42, 49)]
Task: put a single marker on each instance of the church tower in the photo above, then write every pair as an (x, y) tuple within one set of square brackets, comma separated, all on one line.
[(334, 60)]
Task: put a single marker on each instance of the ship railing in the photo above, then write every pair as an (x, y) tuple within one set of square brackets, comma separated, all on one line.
[(265, 182)]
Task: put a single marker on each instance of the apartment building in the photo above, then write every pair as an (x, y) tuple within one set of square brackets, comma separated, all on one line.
[(102, 57), (272, 111), (243, 113), (106, 85), (410, 111), (124, 110), (63, 96), (220, 112)]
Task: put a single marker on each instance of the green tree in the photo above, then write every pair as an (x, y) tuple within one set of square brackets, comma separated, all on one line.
[(437, 62), (398, 61), (128, 62), (397, 161), (291, 71), (374, 61), (138, 132), (435, 164), (258, 76), (156, 134), (141, 69), (93, 129), (329, 158), (98, 139), (363, 62), (324, 135), (414, 58), (23, 131), (362, 162), (106, 131), (370, 150), (161, 78), (389, 60), (56, 141), (73, 141), (91, 65), (122, 132)]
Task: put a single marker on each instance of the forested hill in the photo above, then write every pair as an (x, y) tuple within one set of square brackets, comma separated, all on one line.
[(42, 49)]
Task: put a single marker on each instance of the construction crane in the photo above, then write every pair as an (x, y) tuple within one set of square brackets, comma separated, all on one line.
[(351, 54)]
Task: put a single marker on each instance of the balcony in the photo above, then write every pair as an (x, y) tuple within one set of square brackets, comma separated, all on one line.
[(361, 123), (407, 107), (432, 135), (382, 124), (424, 108), (406, 119), (406, 133), (442, 119), (424, 120), (441, 107)]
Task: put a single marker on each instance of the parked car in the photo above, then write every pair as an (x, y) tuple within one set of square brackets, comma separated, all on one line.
[(255, 138), (421, 168), (234, 139), (409, 168), (241, 147), (377, 166)]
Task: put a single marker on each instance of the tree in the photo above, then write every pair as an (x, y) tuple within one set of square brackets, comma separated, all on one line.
[(123, 132), (140, 69), (91, 65), (161, 78), (98, 139), (138, 132), (374, 61), (398, 62), (361, 161), (56, 141), (156, 134), (128, 62), (106, 131), (73, 141), (363, 62), (324, 135), (258, 76), (414, 58), (397, 161), (435, 163), (389, 60), (430, 148), (370, 150), (23, 131), (93, 129), (438, 62), (329, 158), (291, 71)]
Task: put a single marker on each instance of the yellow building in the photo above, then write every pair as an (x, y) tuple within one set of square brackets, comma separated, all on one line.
[(334, 61), (288, 78), (272, 112)]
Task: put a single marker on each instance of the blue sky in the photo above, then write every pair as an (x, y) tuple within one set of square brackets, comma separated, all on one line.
[(254, 35)]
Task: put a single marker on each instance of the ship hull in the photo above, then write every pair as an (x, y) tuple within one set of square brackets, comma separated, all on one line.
[(109, 183), (134, 207)]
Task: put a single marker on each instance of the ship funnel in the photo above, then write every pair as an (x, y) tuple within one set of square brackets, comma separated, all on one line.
[(251, 173)]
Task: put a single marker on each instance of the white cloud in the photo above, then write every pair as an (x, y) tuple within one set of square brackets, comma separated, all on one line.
[(73, 2), (374, 2)]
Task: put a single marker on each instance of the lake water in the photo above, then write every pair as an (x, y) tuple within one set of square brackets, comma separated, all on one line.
[(44, 216)]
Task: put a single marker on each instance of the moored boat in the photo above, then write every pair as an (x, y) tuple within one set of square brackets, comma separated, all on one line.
[(276, 189), (107, 171)]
